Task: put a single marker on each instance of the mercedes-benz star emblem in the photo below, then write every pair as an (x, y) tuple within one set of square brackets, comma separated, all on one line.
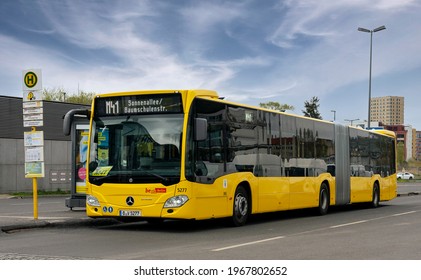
[(129, 200)]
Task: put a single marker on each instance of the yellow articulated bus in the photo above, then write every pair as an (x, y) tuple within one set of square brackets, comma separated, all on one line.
[(188, 154)]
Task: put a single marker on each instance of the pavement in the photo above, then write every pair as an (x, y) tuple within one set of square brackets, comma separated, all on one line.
[(10, 223), (59, 216), (409, 188)]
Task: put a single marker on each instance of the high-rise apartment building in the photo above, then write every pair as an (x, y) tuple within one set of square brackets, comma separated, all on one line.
[(388, 110), (418, 146)]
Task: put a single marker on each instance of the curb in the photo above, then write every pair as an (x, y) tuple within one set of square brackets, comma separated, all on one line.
[(6, 196), (28, 225), (42, 224), (409, 194)]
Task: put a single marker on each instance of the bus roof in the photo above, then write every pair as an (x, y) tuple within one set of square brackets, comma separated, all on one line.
[(204, 93), (197, 92)]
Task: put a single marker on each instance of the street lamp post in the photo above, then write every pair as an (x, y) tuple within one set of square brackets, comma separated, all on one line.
[(371, 54), (351, 121), (334, 115)]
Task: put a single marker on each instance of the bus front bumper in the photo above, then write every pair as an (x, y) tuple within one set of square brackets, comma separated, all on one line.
[(176, 207)]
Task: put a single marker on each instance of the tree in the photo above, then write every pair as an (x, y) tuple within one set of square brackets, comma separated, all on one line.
[(312, 108), (400, 155), (54, 94), (58, 94), (82, 98), (276, 106)]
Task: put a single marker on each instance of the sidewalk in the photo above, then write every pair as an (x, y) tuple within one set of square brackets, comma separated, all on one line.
[(405, 189), (13, 223), (69, 217), (10, 221)]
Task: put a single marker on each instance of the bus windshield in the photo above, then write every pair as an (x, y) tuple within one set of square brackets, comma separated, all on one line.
[(136, 149)]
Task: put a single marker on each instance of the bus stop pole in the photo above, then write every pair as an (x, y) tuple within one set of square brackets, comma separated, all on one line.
[(35, 194)]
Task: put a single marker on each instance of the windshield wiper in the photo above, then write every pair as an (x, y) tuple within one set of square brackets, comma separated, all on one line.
[(165, 181), (100, 180)]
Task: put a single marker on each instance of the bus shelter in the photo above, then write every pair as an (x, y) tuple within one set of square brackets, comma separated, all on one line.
[(79, 136)]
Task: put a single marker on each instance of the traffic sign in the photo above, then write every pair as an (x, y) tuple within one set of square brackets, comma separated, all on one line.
[(33, 138), (33, 123), (32, 80), (33, 117), (33, 95), (34, 169), (32, 104), (33, 154), (33, 110)]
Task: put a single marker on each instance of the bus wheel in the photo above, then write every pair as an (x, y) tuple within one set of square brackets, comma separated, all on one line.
[(323, 200), (241, 207), (376, 196)]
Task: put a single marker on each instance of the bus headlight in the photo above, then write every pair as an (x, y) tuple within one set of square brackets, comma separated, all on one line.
[(176, 201), (92, 200)]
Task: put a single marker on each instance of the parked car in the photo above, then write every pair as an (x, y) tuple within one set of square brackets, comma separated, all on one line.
[(405, 176)]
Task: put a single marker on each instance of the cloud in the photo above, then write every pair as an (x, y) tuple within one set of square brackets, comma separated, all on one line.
[(249, 51), (203, 16), (324, 18), (93, 25), (334, 50)]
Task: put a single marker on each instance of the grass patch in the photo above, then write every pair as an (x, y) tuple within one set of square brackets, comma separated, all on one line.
[(42, 192)]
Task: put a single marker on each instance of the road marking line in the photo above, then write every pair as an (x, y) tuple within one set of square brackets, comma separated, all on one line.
[(349, 224), (364, 221), (406, 213), (309, 231), (248, 243)]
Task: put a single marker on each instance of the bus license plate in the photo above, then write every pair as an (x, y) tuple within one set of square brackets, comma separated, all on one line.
[(130, 213)]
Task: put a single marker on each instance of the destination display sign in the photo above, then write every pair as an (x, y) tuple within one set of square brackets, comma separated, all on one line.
[(138, 105)]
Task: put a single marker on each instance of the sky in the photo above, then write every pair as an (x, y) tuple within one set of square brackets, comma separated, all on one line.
[(250, 51)]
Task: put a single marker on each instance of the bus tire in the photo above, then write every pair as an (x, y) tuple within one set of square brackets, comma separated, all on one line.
[(323, 200), (241, 207), (375, 201)]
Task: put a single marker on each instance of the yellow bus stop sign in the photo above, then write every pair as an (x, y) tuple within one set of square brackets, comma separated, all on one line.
[(30, 79)]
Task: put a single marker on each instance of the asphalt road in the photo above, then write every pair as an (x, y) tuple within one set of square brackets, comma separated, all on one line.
[(392, 231)]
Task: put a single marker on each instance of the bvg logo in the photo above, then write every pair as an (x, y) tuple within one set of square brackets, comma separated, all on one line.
[(30, 79)]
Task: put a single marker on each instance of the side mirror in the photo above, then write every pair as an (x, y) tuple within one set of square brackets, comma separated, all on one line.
[(201, 169), (68, 118), (200, 129), (92, 166)]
